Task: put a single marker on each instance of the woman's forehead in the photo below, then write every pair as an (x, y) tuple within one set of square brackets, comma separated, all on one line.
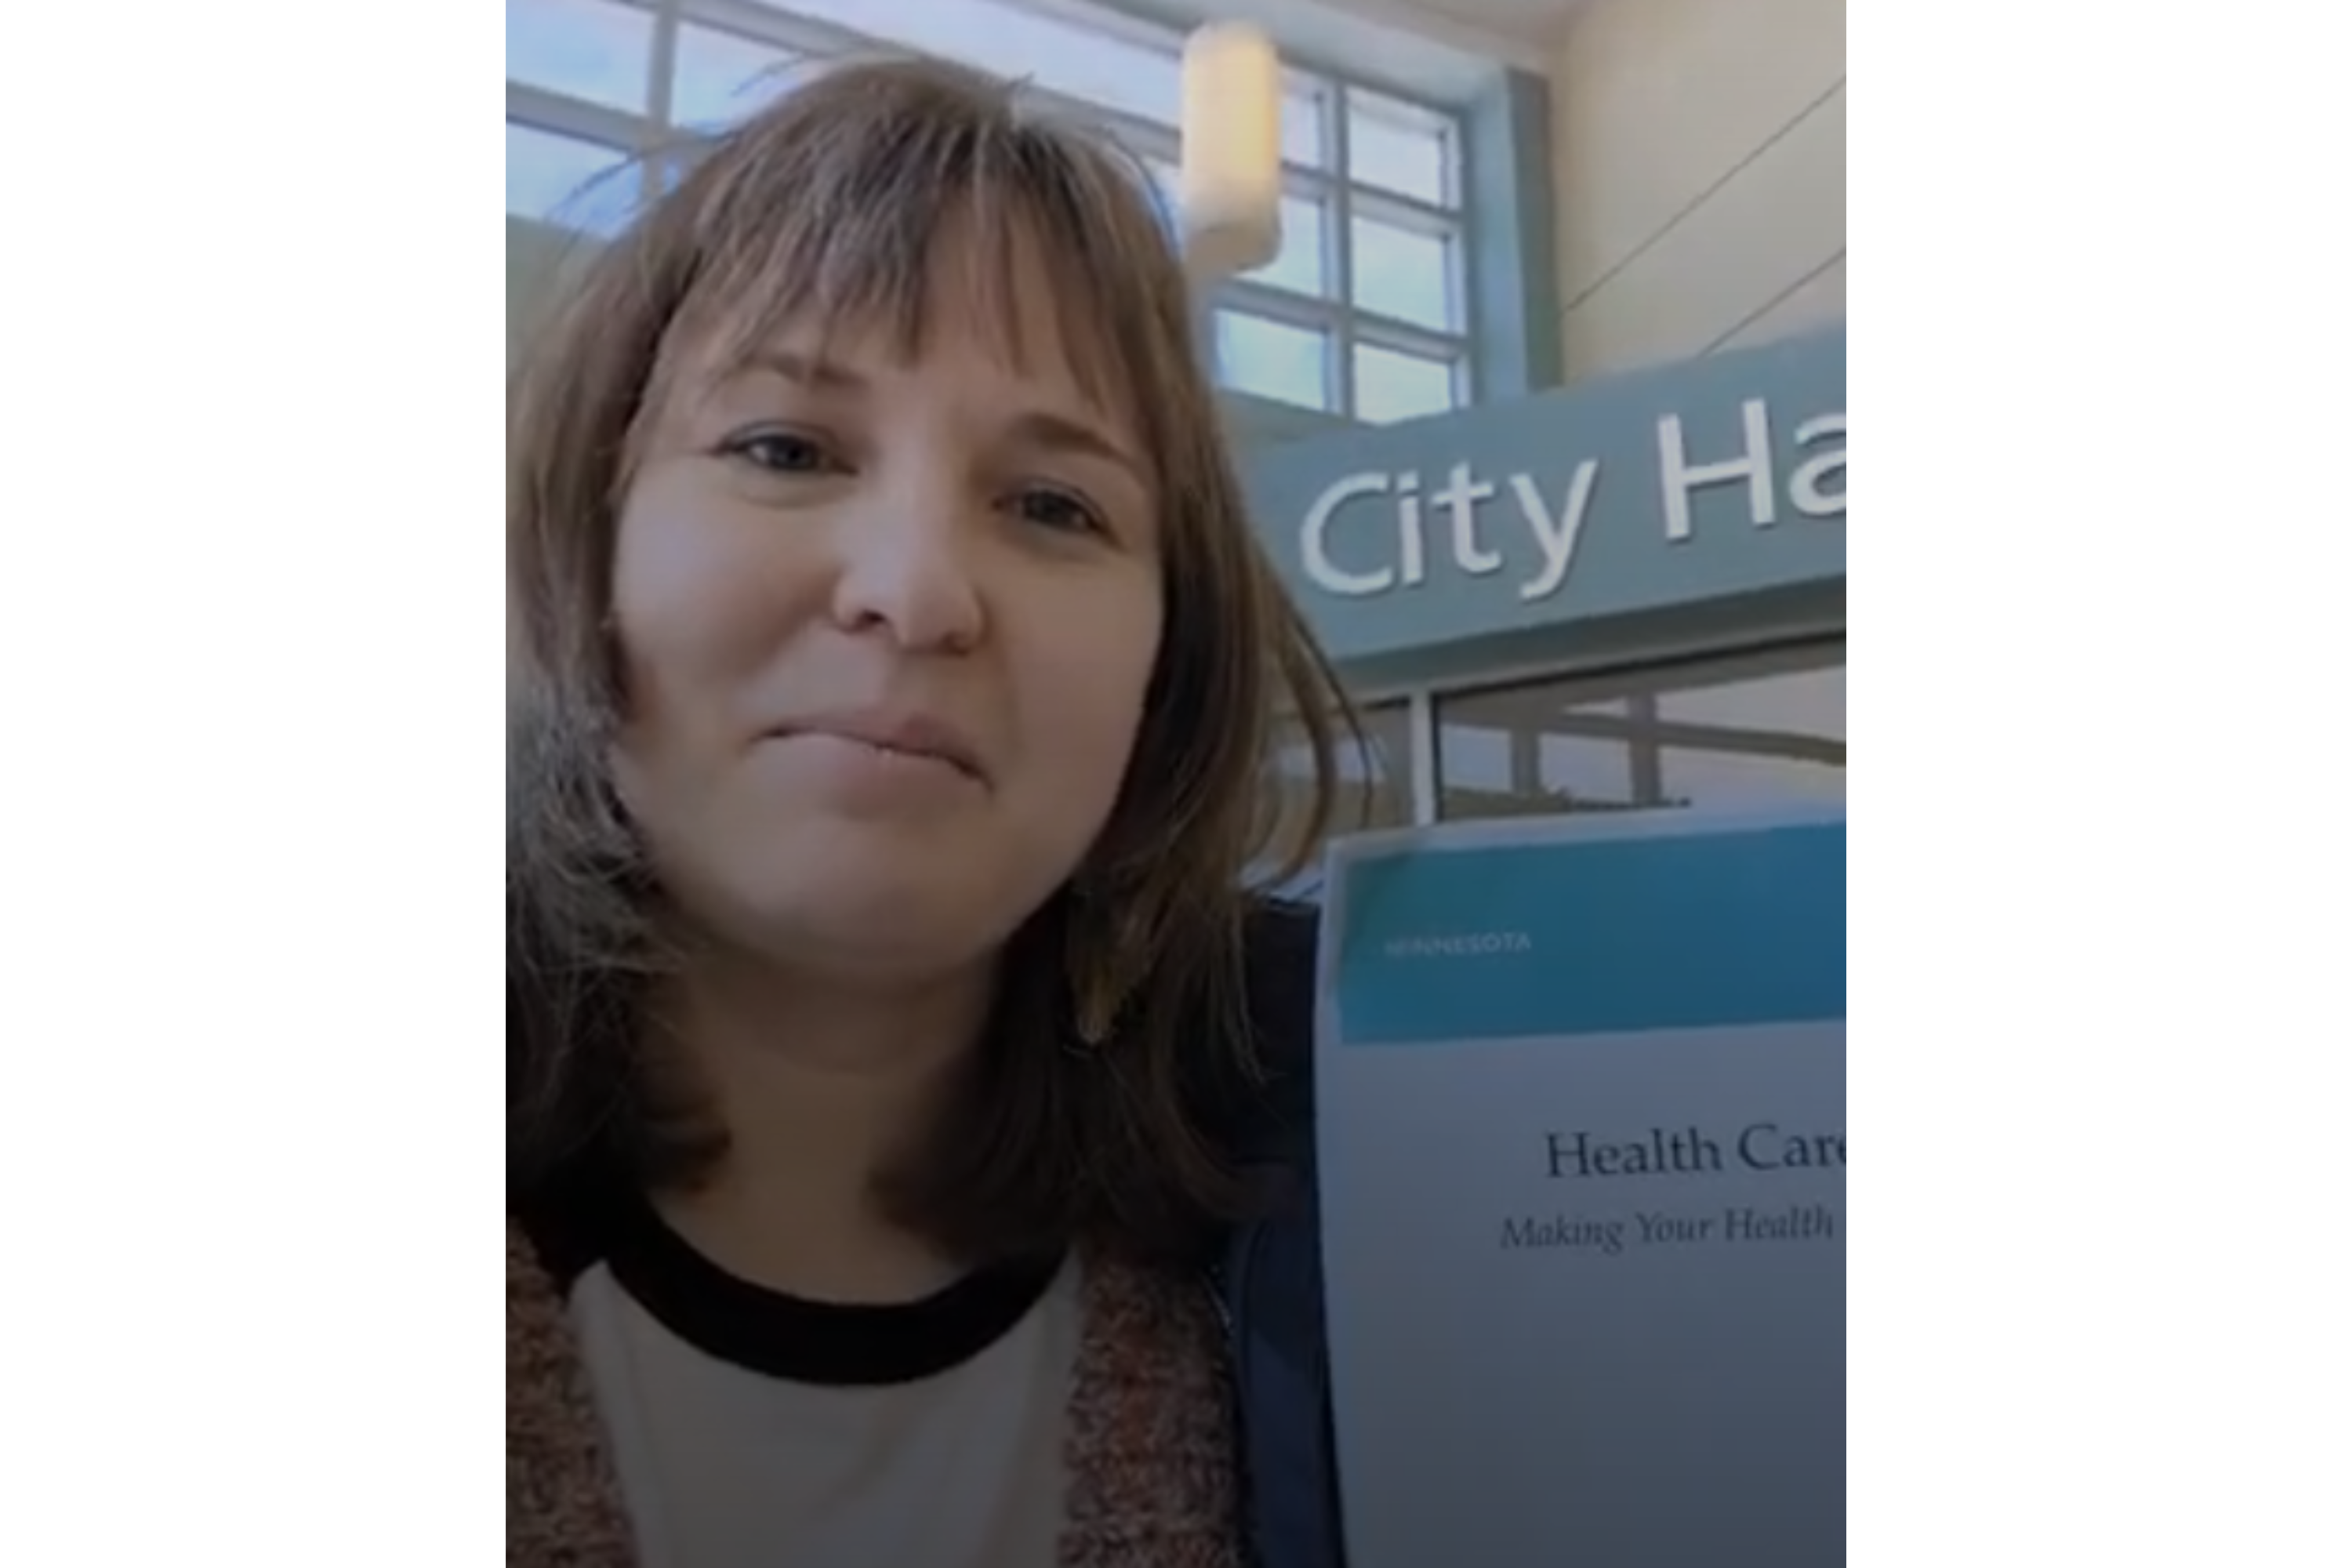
[(1006, 298)]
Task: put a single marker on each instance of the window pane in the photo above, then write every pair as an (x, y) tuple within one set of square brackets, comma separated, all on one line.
[(723, 77), (1762, 730), (1302, 122), (1745, 779), (1273, 359), (1165, 186), (1058, 55), (590, 49), (1803, 703), (576, 184), (1405, 274), (1390, 386), (1498, 755), (683, 157), (1746, 735), (1303, 265), (1399, 147), (1375, 781)]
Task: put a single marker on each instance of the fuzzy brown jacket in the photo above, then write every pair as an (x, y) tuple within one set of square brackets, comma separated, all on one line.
[(1150, 1460)]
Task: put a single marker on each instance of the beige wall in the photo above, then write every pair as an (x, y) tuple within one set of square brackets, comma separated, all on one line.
[(1701, 168)]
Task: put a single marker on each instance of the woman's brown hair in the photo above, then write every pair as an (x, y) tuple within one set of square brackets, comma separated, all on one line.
[(831, 206)]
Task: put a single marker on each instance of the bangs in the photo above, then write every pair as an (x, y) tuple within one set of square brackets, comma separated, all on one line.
[(896, 213)]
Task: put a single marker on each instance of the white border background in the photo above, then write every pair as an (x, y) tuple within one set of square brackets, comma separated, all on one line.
[(251, 633), (251, 645)]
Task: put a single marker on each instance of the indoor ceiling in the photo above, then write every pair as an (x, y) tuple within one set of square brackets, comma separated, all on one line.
[(1541, 23), (1439, 48)]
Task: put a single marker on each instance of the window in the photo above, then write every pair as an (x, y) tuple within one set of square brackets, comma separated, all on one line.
[(1361, 314), (1372, 255), (1376, 780), (1401, 148), (1500, 754), (1379, 776), (597, 51), (568, 181), (1761, 737), (1405, 273), (1390, 386), (1756, 731), (1304, 264), (1274, 359), (1091, 63), (1164, 190), (721, 76)]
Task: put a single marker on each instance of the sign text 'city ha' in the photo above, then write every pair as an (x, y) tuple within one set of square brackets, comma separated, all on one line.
[(1346, 552)]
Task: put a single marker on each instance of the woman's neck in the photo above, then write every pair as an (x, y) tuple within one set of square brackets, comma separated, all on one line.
[(819, 1087)]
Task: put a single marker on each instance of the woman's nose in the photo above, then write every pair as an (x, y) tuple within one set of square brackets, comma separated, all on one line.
[(907, 569)]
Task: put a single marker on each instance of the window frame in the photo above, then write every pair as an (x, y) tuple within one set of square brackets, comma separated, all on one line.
[(1332, 313), (1646, 735), (1342, 200)]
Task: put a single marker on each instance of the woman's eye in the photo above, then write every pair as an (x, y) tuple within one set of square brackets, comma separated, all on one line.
[(779, 453), (1059, 510)]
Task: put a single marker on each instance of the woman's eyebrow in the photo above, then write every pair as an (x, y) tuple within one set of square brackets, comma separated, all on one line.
[(806, 370), (1058, 432)]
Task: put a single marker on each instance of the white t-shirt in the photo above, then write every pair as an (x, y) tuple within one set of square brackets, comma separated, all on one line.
[(755, 1430)]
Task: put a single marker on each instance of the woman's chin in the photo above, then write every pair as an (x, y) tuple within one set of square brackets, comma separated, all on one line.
[(901, 920)]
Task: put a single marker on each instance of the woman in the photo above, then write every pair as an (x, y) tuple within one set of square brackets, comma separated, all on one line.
[(907, 1104)]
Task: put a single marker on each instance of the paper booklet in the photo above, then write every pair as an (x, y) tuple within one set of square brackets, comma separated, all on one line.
[(1582, 1089)]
